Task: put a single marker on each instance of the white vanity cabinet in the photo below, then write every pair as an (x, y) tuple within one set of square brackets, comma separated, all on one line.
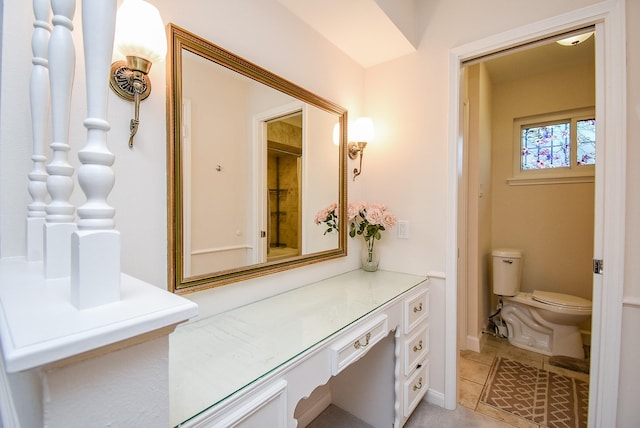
[(416, 350), (363, 335)]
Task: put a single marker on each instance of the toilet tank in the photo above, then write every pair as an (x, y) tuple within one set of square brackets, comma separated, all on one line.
[(507, 271)]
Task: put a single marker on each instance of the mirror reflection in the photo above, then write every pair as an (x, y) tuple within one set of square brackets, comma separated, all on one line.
[(284, 173), (252, 158)]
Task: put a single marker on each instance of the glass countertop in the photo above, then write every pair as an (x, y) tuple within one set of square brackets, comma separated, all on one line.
[(212, 358)]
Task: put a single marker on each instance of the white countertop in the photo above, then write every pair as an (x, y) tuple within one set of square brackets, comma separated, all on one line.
[(39, 325), (212, 358)]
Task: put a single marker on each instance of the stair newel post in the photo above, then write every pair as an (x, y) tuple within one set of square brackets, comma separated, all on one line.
[(39, 99), (95, 246), (60, 212)]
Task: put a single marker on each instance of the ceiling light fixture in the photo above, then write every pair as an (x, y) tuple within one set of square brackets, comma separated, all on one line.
[(575, 40)]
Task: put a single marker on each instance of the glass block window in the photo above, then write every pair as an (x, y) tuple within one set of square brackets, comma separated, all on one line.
[(556, 145)]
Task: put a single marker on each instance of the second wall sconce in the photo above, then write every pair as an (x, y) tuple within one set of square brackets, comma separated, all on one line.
[(362, 134), (140, 37)]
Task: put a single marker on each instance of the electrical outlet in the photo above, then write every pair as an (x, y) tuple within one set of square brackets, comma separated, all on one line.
[(403, 229)]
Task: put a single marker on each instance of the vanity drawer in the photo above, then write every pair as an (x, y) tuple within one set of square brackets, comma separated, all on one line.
[(415, 387), (416, 309), (416, 348), (357, 342)]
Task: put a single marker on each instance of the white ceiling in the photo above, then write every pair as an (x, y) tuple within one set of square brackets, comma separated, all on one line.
[(375, 31), (360, 28), (540, 59)]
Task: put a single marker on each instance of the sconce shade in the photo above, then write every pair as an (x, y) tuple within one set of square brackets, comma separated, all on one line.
[(363, 130), (140, 31)]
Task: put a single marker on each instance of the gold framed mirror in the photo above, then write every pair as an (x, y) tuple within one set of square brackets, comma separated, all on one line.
[(251, 159)]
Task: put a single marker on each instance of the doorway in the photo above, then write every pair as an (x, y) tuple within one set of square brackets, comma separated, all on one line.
[(526, 189), (610, 181), (533, 194)]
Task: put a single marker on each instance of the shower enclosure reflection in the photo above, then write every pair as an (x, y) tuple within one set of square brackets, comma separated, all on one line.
[(284, 168)]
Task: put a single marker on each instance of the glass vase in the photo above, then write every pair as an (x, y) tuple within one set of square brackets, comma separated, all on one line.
[(369, 257)]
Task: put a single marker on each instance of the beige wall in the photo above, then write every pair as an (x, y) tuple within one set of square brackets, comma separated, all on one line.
[(479, 201), (500, 215), (220, 214), (551, 223)]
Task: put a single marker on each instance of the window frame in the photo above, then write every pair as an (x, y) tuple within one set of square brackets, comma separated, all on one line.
[(574, 173)]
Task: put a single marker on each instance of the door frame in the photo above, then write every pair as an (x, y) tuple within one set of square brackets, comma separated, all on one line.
[(609, 19)]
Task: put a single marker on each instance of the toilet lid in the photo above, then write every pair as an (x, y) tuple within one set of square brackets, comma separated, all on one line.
[(559, 299)]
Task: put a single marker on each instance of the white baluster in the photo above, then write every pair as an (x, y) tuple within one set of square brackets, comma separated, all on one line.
[(60, 212), (95, 247), (39, 96)]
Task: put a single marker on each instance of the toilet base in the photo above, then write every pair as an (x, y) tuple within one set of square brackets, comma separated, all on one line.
[(576, 352), (528, 348), (527, 330)]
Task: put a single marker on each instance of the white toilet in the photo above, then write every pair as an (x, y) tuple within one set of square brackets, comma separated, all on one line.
[(542, 321)]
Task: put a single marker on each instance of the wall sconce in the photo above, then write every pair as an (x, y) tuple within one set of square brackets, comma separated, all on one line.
[(140, 37), (362, 134)]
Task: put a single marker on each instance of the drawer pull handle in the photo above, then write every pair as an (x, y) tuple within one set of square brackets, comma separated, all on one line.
[(418, 385), (418, 347), (417, 308), (359, 345)]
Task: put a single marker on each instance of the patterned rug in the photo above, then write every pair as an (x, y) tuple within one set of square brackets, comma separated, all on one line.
[(544, 397)]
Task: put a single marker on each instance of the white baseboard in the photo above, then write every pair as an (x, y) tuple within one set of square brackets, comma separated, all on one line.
[(472, 344), (434, 397), (475, 343), (321, 402), (483, 340)]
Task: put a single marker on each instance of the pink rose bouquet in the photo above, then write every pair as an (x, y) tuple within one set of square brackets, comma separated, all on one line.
[(369, 221), (329, 216)]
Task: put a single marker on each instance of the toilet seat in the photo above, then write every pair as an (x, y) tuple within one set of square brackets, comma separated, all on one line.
[(561, 300)]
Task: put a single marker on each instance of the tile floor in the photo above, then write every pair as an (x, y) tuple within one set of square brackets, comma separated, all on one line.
[(474, 370)]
